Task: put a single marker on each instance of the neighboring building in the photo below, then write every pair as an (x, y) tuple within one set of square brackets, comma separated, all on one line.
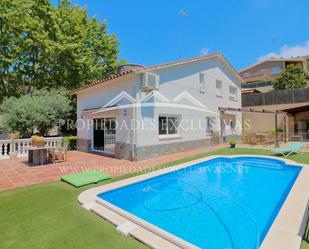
[(164, 96), (259, 76)]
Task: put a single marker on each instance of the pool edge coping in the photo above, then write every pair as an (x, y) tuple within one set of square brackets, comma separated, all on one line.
[(275, 233)]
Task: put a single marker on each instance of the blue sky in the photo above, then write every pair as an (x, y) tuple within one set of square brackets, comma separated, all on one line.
[(243, 30)]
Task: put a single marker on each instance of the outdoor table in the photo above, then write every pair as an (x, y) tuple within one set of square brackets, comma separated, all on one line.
[(37, 156), (262, 136), (296, 137)]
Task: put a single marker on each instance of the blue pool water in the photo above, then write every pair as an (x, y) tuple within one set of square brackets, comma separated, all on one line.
[(222, 203)]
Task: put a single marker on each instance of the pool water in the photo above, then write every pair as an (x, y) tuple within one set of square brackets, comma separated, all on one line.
[(223, 203)]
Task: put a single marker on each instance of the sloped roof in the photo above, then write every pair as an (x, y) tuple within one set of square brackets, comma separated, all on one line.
[(101, 81), (296, 107), (159, 66), (250, 91)]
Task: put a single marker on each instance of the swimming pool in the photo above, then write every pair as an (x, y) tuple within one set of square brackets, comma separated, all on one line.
[(217, 204)]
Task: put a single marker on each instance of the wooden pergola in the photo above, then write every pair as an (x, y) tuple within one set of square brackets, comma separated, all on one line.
[(251, 110)]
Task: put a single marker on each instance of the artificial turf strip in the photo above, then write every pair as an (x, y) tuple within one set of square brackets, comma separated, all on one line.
[(85, 177), (48, 216)]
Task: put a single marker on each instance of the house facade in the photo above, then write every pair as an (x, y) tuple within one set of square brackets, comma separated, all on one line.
[(143, 112), (260, 75)]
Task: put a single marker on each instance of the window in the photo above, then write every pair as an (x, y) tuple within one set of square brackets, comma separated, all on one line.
[(219, 91), (261, 72), (246, 75), (110, 126), (233, 93), (151, 81), (168, 125), (275, 71), (210, 124), (202, 83)]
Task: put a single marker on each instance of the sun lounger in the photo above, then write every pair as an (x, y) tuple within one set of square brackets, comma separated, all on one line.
[(296, 147)]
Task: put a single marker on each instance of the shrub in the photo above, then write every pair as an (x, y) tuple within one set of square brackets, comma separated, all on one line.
[(70, 141), (272, 131), (14, 136), (232, 142), (40, 112), (293, 76), (37, 141)]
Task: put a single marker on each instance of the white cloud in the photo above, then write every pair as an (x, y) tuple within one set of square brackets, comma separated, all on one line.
[(204, 51), (288, 52)]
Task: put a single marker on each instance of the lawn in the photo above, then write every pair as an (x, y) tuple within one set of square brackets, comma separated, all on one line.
[(48, 216), (304, 245)]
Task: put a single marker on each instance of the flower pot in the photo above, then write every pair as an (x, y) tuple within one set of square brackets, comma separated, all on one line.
[(38, 144), (37, 141), (13, 155), (232, 146)]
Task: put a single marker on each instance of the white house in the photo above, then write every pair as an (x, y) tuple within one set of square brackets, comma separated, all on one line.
[(142, 112)]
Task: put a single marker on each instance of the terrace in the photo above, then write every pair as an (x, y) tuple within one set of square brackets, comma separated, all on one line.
[(18, 173)]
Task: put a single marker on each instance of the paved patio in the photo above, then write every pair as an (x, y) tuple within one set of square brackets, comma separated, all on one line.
[(17, 173)]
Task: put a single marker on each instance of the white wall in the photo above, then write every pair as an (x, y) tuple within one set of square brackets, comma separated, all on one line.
[(175, 80), (99, 96)]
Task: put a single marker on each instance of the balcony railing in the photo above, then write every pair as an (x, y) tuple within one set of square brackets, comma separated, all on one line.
[(21, 146)]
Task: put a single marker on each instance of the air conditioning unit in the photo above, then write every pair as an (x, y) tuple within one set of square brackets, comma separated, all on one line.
[(150, 82)]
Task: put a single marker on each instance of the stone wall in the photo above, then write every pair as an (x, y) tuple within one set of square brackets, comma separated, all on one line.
[(124, 151), (147, 152)]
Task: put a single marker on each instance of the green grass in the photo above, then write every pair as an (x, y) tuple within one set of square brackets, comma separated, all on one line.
[(48, 216), (304, 245)]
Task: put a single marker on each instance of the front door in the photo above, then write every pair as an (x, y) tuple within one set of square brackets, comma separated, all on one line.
[(98, 134)]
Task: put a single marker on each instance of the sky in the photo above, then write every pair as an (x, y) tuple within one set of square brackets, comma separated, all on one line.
[(245, 31)]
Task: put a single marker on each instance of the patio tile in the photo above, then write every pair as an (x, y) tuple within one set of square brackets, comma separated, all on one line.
[(17, 173), (6, 186)]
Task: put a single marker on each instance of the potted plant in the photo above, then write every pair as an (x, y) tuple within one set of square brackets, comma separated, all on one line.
[(232, 143), (37, 141), (13, 152)]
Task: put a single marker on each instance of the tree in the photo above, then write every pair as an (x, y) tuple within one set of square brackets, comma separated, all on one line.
[(293, 76), (46, 46), (41, 111)]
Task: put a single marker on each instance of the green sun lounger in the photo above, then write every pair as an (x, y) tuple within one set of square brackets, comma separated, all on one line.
[(293, 148), (85, 177)]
